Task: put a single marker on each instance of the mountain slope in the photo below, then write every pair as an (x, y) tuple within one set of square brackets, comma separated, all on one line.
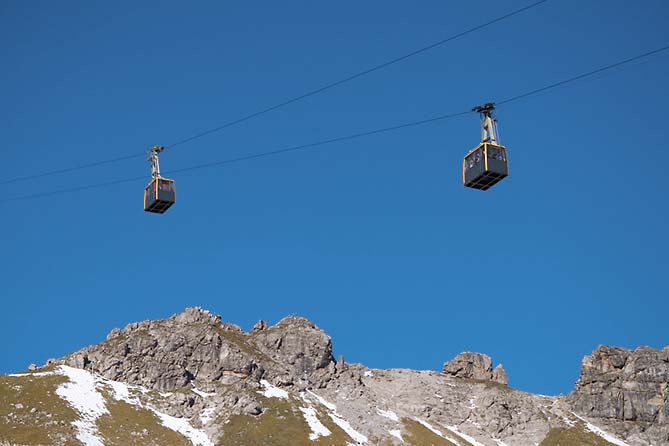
[(194, 380)]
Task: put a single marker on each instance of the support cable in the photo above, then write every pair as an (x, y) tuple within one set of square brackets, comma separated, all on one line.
[(284, 103), (348, 137)]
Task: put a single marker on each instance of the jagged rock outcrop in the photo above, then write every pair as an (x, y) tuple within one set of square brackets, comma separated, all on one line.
[(632, 386), (196, 345), (499, 375), (260, 326), (275, 384), (296, 342), (475, 366)]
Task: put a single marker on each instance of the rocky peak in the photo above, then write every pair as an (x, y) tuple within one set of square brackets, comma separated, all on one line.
[(196, 345), (475, 366), (297, 321), (260, 326), (297, 342), (190, 316), (196, 315), (499, 375), (619, 384), (230, 387), (624, 384)]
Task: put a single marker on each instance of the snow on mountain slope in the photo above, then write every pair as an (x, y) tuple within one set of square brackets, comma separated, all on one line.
[(601, 432), (317, 428), (192, 379), (90, 395), (85, 393), (339, 420), (82, 394)]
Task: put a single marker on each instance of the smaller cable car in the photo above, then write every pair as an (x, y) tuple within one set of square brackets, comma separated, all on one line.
[(486, 164), (160, 194)]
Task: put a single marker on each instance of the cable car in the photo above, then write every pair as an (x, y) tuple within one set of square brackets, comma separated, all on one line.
[(161, 193), (486, 164)]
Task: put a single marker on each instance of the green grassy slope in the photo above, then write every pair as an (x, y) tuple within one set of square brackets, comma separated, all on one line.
[(32, 414), (577, 435)]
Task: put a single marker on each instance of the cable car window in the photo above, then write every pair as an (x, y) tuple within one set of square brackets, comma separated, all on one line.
[(496, 153)]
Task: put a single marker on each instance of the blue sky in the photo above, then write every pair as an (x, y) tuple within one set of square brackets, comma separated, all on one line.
[(374, 239)]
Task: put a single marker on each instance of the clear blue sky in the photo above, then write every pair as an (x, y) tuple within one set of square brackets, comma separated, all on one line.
[(374, 239)]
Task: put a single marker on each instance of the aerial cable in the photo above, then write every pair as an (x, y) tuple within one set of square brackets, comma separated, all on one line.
[(72, 169), (287, 102), (323, 142), (357, 75), (246, 157), (347, 137), (581, 76)]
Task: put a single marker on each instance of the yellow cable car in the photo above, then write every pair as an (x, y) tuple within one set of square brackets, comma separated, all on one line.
[(161, 193), (488, 163)]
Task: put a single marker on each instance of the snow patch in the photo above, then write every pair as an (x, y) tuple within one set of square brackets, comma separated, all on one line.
[(322, 401), (397, 434), (203, 394), (346, 427), (121, 392), (465, 437), (437, 431), (30, 374), (207, 415), (568, 422), (317, 428), (600, 432), (368, 373), (272, 391), (83, 396), (183, 426), (339, 421), (388, 414), (82, 393)]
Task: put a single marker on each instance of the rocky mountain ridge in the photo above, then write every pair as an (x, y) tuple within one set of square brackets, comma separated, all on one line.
[(194, 379)]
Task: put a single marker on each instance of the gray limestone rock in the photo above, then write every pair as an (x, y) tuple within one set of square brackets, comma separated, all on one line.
[(475, 366), (499, 375), (626, 392), (629, 386), (196, 345), (260, 326), (297, 343)]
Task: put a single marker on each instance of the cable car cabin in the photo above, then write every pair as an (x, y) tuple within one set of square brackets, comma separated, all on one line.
[(485, 166), (159, 195)]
